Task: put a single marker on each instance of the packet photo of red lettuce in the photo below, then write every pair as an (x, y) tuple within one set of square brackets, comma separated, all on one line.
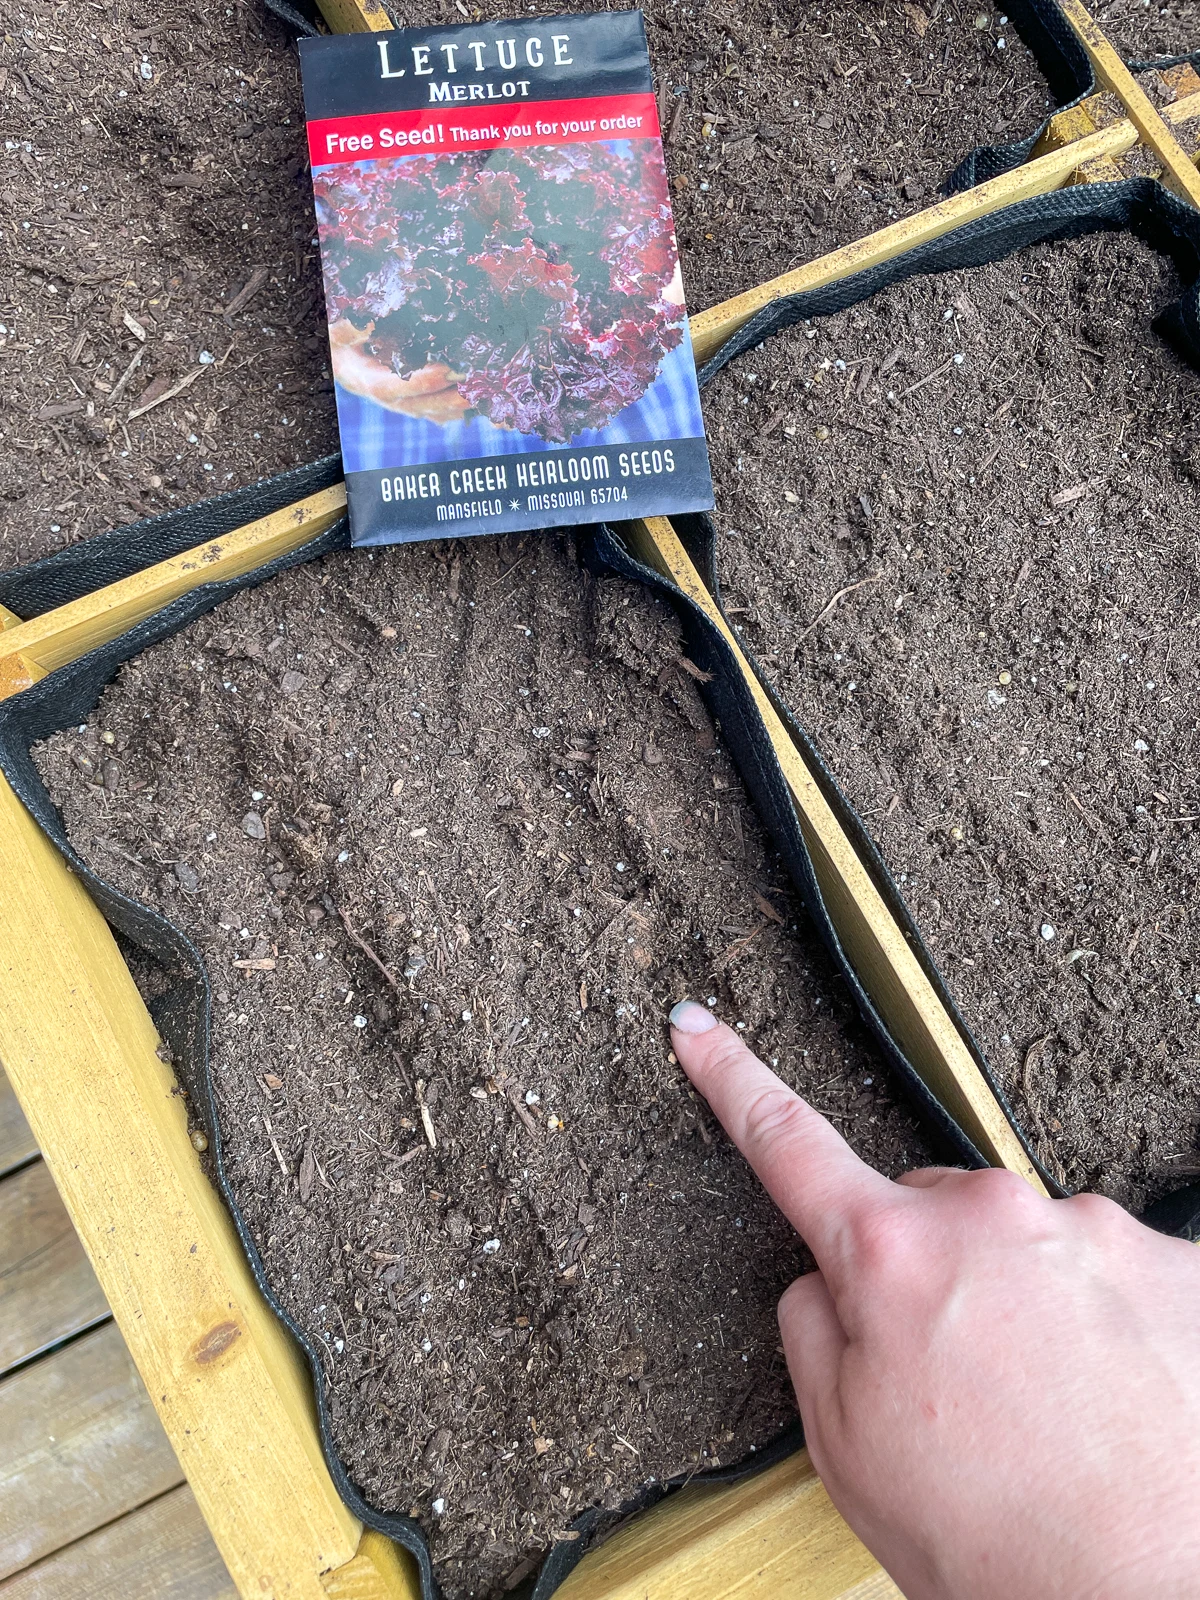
[(538, 288)]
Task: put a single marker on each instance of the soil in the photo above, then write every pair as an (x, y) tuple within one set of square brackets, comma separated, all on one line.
[(1143, 31), (452, 831), (167, 197), (957, 526), (825, 121), (157, 171)]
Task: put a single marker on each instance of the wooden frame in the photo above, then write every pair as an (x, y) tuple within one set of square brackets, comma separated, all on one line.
[(80, 1051)]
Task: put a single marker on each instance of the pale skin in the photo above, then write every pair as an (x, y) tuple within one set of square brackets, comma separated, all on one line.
[(1000, 1391)]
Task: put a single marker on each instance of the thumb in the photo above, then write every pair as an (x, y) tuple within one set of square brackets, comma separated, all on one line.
[(806, 1167)]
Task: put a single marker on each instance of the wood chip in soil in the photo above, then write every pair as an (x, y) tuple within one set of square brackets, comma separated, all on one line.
[(996, 471), (452, 830)]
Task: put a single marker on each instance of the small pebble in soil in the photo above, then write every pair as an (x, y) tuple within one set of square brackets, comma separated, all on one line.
[(199, 1141)]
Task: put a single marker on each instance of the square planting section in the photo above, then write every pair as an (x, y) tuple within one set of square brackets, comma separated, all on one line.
[(957, 526), (452, 830)]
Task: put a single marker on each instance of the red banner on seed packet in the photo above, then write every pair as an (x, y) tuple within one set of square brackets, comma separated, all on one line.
[(507, 329), (481, 127)]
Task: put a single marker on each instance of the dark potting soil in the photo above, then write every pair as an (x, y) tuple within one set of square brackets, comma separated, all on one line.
[(958, 527), (452, 831), (793, 129), (1143, 30), (165, 216), (182, 200)]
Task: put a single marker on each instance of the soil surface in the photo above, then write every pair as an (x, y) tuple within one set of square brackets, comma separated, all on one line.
[(1142, 30), (793, 129), (165, 217), (452, 831), (159, 176), (957, 525)]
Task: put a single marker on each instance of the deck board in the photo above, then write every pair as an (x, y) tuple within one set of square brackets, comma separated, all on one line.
[(17, 1144), (48, 1290), (82, 1445), (161, 1552)]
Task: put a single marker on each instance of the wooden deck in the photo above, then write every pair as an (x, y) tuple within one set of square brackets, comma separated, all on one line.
[(93, 1505)]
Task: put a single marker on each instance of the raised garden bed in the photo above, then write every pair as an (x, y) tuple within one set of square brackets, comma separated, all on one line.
[(491, 775), (231, 1392), (954, 528)]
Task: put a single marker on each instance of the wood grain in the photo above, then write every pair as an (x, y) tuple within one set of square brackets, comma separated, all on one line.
[(776, 1535), (82, 1447), (870, 935), (72, 630), (47, 1289), (229, 1384), (161, 1552), (1179, 170), (17, 1144), (380, 1568), (355, 16)]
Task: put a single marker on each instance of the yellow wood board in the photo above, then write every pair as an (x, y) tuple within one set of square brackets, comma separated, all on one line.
[(229, 1385), (48, 1291), (775, 1534), (72, 630), (1179, 170), (869, 933), (161, 1550), (81, 1447), (355, 16)]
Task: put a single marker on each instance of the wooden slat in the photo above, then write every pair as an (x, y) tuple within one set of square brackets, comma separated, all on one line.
[(72, 630), (379, 1568), (17, 1144), (872, 938), (47, 1290), (776, 1535), (229, 1384), (82, 1446), (8, 619), (1179, 170), (355, 16), (161, 1552)]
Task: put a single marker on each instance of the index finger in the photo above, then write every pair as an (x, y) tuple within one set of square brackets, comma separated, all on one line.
[(804, 1164)]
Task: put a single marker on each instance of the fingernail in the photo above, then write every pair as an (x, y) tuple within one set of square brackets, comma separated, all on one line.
[(688, 1017)]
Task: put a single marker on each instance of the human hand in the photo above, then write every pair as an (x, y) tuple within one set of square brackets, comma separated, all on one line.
[(1001, 1392)]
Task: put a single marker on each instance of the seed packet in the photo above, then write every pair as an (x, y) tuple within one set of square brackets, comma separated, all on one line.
[(509, 341)]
